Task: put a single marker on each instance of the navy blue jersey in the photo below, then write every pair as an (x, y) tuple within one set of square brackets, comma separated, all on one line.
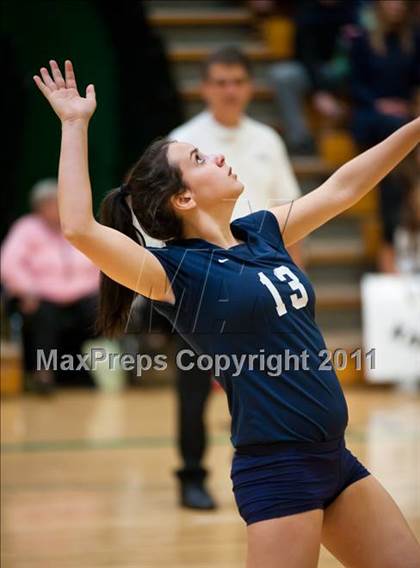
[(251, 303)]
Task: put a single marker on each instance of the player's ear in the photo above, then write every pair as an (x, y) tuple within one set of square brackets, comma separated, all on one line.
[(183, 201)]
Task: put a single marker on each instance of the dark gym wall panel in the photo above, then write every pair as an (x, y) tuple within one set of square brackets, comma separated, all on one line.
[(34, 32)]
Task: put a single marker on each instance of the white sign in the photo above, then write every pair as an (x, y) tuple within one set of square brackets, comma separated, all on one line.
[(391, 326)]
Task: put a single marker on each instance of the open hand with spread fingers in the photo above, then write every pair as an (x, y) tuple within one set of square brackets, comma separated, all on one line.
[(62, 94)]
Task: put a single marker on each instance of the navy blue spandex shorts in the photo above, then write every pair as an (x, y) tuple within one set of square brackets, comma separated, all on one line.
[(288, 478)]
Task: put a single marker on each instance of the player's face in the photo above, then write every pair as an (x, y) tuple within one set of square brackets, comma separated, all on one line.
[(227, 89), (210, 181)]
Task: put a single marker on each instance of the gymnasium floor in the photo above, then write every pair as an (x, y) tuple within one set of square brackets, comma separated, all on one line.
[(86, 478)]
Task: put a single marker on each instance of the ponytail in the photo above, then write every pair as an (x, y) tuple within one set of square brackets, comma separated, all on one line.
[(143, 203), (115, 299)]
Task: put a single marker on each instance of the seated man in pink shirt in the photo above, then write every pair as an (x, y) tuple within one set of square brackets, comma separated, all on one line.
[(53, 285)]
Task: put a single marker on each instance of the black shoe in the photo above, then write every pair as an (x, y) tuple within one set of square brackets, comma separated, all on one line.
[(195, 496)]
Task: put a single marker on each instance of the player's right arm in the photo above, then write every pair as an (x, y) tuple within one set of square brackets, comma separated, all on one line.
[(114, 253)]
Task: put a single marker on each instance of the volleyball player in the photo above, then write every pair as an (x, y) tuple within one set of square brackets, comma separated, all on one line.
[(232, 288)]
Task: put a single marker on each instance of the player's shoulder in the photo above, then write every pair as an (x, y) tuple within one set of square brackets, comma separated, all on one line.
[(258, 222), (173, 251), (189, 129), (263, 225), (253, 219), (168, 249)]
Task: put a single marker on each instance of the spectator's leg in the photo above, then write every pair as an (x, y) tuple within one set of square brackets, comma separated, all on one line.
[(80, 320), (369, 128), (391, 194), (41, 331), (193, 388), (291, 84), (28, 346), (86, 312), (390, 204)]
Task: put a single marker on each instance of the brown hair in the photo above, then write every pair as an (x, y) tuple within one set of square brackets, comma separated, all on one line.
[(150, 183), (379, 30), (226, 56)]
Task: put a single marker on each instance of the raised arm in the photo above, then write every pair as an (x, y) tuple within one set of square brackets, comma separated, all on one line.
[(118, 256), (346, 186)]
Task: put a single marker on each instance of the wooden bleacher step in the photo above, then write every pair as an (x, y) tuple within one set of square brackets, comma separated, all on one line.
[(338, 296), (183, 17), (195, 53), (11, 377), (323, 251)]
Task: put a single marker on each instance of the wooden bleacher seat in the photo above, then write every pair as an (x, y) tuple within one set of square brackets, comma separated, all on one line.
[(11, 381), (279, 35), (196, 53), (178, 17)]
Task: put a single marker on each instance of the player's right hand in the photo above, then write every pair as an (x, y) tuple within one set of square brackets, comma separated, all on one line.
[(62, 93)]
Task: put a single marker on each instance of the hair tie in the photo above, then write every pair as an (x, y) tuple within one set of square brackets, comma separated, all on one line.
[(125, 189), (125, 192)]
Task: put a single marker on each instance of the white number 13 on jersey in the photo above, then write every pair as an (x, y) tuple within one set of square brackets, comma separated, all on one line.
[(298, 300)]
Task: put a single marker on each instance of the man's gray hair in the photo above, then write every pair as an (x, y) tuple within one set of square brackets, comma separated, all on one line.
[(43, 189)]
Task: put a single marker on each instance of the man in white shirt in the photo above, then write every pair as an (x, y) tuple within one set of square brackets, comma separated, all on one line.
[(257, 154), (254, 150)]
